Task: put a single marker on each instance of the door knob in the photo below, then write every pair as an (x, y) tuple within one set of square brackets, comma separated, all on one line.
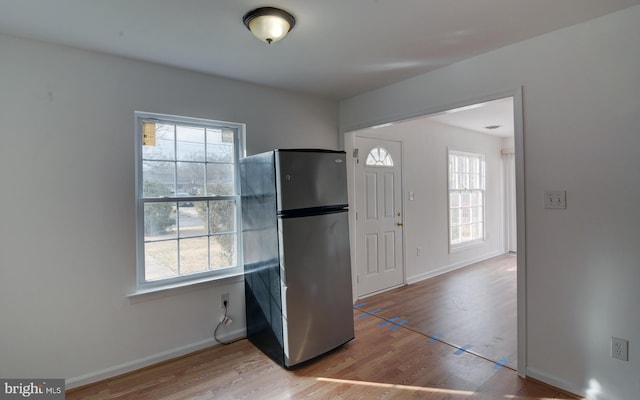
[(399, 224)]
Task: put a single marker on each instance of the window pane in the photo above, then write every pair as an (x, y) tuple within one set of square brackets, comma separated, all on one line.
[(219, 146), (164, 148), (466, 215), (465, 199), (220, 179), (455, 217), (222, 216), (476, 214), (474, 165), (194, 255), (455, 234), (181, 162), (461, 163), (474, 181), (454, 199), (190, 143), (161, 260), (465, 233), (191, 218), (223, 251), (158, 179), (379, 156), (477, 231), (159, 220), (190, 177), (477, 198)]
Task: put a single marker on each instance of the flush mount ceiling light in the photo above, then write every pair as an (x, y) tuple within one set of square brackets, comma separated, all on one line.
[(269, 24)]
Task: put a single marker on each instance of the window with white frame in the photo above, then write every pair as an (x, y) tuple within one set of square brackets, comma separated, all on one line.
[(188, 203), (466, 198)]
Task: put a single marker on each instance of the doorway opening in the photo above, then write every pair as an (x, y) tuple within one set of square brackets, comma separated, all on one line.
[(489, 128)]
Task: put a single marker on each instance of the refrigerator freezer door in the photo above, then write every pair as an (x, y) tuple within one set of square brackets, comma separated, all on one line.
[(309, 179), (316, 278)]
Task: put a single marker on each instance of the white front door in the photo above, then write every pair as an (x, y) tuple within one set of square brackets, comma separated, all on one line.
[(379, 223)]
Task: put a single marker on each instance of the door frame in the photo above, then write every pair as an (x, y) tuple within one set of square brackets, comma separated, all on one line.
[(347, 137)]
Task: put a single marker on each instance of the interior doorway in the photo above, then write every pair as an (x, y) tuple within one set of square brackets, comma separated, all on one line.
[(467, 117)]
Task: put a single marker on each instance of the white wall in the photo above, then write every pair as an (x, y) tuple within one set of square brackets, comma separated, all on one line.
[(425, 145), (67, 248), (581, 95)]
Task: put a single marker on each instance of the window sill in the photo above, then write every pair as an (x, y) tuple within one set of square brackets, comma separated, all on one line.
[(149, 293)]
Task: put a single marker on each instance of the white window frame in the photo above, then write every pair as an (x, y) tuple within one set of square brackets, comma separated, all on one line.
[(142, 285), (481, 189)]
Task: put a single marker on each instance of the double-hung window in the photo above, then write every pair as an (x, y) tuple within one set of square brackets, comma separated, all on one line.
[(466, 199), (188, 203)]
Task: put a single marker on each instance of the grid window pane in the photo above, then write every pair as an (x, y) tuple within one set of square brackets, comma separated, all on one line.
[(222, 216), (161, 260), (466, 197), (219, 146), (194, 255), (192, 218), (220, 179), (159, 221), (223, 251), (190, 177), (163, 148), (190, 143), (188, 220), (159, 178), (454, 199)]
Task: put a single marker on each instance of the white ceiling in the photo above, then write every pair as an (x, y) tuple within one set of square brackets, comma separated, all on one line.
[(339, 48), (491, 118), (474, 118)]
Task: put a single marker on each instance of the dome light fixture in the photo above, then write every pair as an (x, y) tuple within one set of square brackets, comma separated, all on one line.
[(269, 24)]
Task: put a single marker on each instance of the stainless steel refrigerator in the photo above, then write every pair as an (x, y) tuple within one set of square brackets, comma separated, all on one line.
[(297, 265)]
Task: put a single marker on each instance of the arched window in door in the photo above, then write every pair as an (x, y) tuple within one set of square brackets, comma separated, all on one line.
[(379, 157)]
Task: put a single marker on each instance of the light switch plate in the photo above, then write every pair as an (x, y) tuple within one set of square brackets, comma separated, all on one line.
[(555, 199)]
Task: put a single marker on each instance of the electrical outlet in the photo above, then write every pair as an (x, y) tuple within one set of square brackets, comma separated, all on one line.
[(224, 297), (620, 349)]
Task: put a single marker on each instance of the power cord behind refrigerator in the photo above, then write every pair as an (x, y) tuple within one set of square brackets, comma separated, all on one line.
[(223, 321)]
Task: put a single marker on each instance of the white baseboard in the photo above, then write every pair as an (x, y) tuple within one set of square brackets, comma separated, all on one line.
[(130, 366), (588, 392), (452, 267)]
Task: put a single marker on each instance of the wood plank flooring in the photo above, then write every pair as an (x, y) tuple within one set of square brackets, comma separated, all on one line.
[(472, 306), (384, 361)]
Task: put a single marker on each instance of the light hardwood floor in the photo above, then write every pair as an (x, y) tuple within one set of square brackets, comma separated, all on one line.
[(472, 306), (384, 361)]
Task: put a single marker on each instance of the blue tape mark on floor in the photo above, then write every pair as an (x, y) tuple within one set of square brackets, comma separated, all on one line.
[(433, 339), (388, 321), (500, 363), (370, 312), (463, 349), (360, 305), (397, 325)]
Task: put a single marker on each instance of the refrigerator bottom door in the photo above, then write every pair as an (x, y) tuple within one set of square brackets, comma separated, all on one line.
[(316, 281)]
